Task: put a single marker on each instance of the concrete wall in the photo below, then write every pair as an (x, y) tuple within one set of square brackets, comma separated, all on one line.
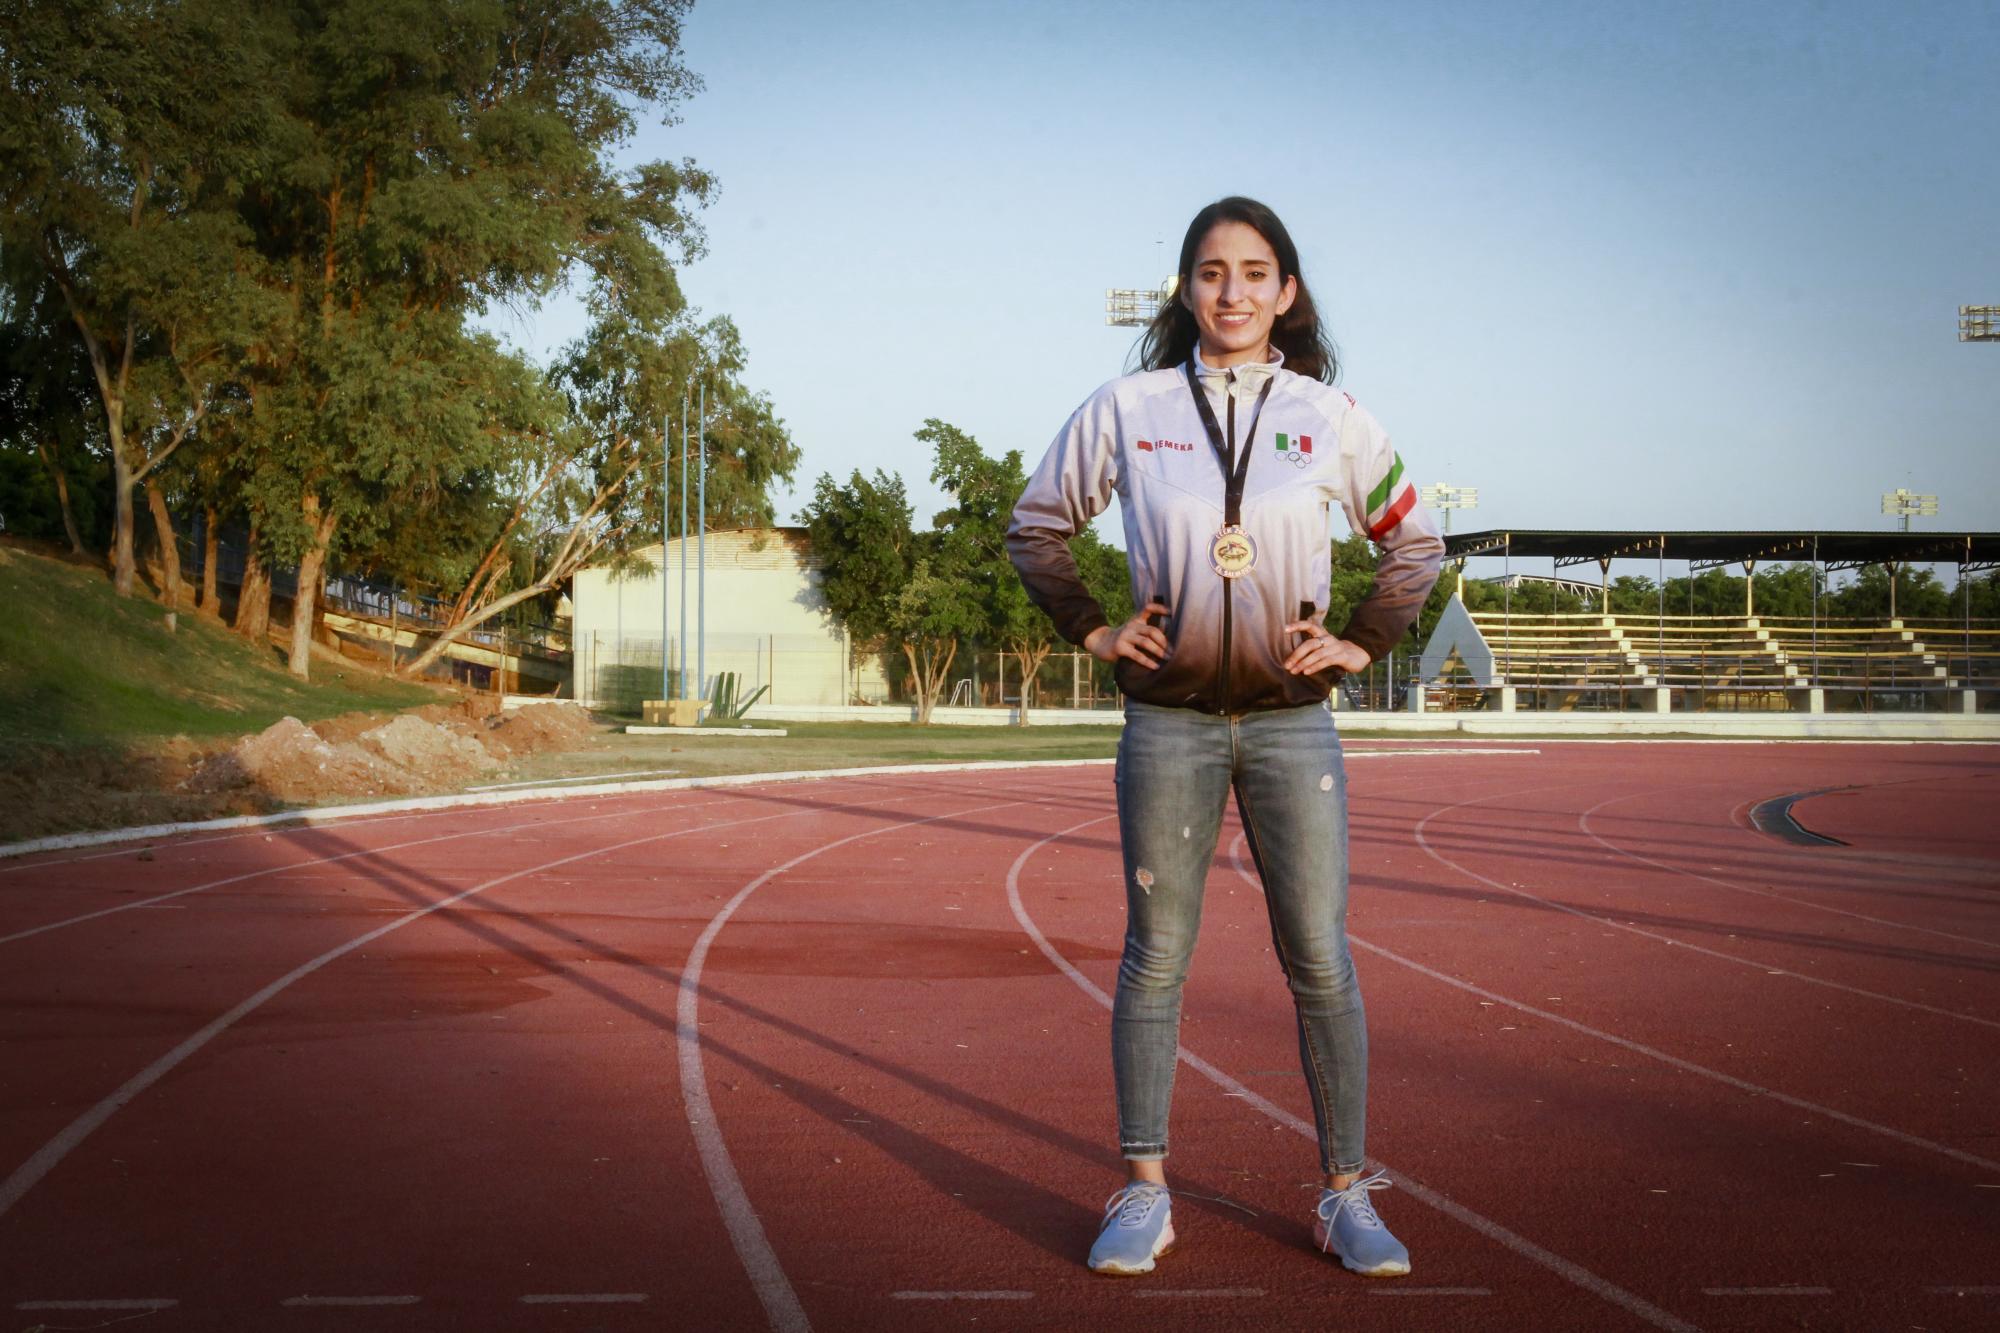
[(766, 621)]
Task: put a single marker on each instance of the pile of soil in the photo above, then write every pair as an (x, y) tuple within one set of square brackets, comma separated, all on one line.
[(434, 749)]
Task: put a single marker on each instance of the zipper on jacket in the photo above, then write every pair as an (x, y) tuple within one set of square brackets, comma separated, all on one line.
[(1222, 679)]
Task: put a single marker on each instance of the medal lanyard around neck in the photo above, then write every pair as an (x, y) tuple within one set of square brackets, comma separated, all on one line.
[(1236, 475)]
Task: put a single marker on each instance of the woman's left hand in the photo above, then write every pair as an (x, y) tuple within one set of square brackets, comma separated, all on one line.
[(1322, 651)]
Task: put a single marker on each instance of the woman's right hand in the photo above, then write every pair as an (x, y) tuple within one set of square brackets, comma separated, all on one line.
[(1138, 639)]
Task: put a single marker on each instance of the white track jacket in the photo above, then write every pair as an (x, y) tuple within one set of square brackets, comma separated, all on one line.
[(1141, 437)]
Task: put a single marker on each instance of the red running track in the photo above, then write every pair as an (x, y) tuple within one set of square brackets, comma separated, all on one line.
[(832, 1055)]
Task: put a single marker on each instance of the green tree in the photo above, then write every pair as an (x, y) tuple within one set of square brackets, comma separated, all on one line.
[(974, 532), (443, 158), (121, 180)]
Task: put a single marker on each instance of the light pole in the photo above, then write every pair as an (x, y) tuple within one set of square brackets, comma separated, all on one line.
[(1903, 504)]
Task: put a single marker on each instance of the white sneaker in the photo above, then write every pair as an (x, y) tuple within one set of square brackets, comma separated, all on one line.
[(1348, 1226), (1138, 1228)]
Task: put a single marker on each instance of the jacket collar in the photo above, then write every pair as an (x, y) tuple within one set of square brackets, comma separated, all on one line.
[(1245, 381)]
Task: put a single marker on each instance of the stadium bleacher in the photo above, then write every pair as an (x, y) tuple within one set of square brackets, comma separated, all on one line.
[(1512, 660)]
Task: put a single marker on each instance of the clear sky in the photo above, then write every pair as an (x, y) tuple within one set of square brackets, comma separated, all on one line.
[(1676, 265)]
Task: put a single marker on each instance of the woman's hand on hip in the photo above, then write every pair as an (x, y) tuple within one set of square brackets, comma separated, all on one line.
[(1321, 651), (1138, 639)]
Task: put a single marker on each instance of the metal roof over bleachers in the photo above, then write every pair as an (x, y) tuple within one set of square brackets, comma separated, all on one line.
[(1975, 550)]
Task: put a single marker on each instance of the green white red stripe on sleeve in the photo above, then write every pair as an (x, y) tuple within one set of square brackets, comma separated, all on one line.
[(1390, 501)]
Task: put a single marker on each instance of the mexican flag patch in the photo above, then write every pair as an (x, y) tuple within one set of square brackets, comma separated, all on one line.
[(1297, 448)]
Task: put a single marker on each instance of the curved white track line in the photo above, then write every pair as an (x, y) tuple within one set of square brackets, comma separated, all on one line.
[(51, 1153), (1520, 1245), (1638, 1048), (1704, 950), (746, 1233), (329, 860), (1583, 822)]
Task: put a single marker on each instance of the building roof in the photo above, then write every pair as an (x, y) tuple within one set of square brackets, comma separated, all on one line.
[(1571, 547)]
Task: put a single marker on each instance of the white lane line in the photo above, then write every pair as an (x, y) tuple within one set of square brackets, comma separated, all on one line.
[(1203, 1293), (1639, 1048), (46, 1158), (1583, 822), (142, 1304), (961, 1295), (289, 867), (588, 1298), (1397, 1289), (1520, 1245), (1963, 1291), (746, 1233), (1705, 951), (1767, 1291), (297, 1302)]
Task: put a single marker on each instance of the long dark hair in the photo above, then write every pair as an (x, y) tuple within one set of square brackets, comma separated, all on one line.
[(1170, 339)]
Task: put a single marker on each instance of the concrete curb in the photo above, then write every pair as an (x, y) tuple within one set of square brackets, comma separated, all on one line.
[(331, 814)]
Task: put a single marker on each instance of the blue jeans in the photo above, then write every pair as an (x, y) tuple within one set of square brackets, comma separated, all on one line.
[(1176, 768)]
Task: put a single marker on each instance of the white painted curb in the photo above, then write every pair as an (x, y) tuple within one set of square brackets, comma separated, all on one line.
[(330, 814)]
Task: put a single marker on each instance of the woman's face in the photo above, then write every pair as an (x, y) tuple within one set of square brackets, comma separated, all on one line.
[(1235, 294)]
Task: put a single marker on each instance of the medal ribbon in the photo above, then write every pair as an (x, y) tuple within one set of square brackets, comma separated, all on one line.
[(1236, 470)]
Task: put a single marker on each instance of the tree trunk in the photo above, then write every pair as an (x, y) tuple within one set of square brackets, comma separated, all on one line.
[(312, 568), (929, 666), (422, 661), (124, 569), (253, 599), (170, 550), (62, 497), (1031, 655), (211, 550)]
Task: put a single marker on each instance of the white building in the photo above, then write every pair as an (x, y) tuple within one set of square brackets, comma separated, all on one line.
[(765, 619)]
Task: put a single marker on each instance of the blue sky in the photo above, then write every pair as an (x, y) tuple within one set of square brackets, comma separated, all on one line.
[(1617, 265)]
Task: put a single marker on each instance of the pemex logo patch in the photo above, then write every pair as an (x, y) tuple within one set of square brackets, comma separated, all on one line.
[(1297, 449)]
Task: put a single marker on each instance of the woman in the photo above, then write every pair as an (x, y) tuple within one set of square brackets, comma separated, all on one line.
[(1226, 452)]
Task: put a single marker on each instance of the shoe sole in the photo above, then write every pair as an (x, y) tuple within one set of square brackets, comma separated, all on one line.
[(1120, 1270), (1390, 1269)]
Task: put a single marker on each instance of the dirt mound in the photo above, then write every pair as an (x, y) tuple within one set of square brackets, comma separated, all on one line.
[(434, 748), (437, 748), (288, 761), (537, 728), (429, 751)]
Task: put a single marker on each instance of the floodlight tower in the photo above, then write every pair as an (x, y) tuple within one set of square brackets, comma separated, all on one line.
[(1134, 307), (1979, 323), (1904, 504), (1448, 498)]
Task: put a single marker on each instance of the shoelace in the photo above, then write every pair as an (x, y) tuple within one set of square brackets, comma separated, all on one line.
[(1133, 1203), (1355, 1200)]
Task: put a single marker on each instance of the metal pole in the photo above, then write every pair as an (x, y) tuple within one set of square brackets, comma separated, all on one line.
[(683, 641), (1815, 611), (666, 517), (701, 547)]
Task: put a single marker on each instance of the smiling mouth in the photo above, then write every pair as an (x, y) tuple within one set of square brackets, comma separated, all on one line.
[(1232, 319)]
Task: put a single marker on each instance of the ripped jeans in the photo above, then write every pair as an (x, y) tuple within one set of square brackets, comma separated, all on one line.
[(1176, 768)]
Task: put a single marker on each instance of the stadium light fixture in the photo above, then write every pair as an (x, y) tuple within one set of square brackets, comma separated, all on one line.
[(1903, 504), (1979, 323), (1134, 307), (1448, 498)]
